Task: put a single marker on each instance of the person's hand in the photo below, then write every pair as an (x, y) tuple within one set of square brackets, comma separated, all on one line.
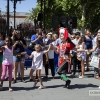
[(39, 37), (16, 42), (21, 42), (23, 53)]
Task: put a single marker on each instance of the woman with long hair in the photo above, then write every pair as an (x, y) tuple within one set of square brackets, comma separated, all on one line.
[(18, 57)]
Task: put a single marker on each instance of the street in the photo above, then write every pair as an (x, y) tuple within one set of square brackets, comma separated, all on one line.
[(79, 89)]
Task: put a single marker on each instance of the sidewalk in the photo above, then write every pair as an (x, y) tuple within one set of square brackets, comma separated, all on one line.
[(79, 89)]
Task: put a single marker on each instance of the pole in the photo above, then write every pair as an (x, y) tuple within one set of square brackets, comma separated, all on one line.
[(41, 12), (44, 14), (14, 12), (8, 17)]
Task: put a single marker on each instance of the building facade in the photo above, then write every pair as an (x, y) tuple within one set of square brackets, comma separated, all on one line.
[(20, 17)]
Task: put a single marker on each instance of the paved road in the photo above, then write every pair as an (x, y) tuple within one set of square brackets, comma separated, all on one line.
[(54, 90)]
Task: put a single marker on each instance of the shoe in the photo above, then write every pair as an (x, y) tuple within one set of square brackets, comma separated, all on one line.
[(35, 83), (14, 81), (23, 81), (41, 88), (81, 76), (87, 69), (73, 73)]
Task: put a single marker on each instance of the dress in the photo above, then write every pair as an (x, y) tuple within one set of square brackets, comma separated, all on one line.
[(37, 61), (64, 50)]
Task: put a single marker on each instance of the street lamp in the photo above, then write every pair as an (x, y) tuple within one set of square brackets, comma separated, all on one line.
[(14, 6)]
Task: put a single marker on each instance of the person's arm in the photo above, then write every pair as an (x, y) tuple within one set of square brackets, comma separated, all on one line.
[(23, 43), (56, 50), (30, 56), (15, 44), (92, 50), (33, 40), (48, 49)]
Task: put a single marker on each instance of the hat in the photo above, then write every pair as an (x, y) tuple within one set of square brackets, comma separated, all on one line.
[(49, 33)]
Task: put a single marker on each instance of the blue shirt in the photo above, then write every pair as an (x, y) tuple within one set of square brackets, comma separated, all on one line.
[(88, 43), (34, 37)]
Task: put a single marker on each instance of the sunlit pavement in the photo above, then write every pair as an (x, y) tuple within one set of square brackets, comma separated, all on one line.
[(79, 89)]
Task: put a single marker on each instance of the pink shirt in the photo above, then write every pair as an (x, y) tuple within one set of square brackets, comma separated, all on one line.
[(8, 56)]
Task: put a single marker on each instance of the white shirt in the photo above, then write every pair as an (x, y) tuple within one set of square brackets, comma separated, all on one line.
[(75, 41)]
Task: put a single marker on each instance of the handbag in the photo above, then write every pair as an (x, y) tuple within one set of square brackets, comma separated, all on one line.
[(63, 68), (95, 62)]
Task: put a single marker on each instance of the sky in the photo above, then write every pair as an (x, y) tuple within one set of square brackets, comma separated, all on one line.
[(24, 6)]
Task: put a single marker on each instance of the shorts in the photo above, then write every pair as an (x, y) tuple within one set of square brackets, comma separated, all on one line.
[(1, 57), (83, 57), (21, 59)]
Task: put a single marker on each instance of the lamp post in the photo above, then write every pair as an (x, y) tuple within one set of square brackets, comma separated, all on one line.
[(14, 6)]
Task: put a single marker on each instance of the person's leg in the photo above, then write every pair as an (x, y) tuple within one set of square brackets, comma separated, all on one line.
[(82, 69), (1, 66), (96, 73), (79, 66), (51, 62), (0, 70), (40, 79), (4, 70), (22, 72), (15, 71), (10, 76), (46, 70), (87, 62), (31, 75)]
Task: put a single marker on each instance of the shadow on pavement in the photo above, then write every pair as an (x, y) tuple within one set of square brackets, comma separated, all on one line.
[(80, 86)]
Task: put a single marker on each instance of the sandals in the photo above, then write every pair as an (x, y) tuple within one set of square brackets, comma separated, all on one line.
[(41, 88)]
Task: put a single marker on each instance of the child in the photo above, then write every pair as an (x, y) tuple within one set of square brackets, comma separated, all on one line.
[(81, 54), (2, 43), (37, 63), (63, 50), (7, 61)]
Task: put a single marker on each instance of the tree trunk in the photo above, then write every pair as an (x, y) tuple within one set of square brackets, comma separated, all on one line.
[(83, 18)]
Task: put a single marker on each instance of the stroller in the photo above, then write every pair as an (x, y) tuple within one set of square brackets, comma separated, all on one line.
[(62, 71)]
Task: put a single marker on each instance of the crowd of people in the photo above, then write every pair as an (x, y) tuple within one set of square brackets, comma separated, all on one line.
[(49, 50)]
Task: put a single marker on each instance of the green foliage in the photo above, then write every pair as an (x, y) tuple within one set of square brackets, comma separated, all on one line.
[(87, 17)]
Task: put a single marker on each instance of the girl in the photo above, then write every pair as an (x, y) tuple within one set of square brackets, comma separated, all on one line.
[(37, 63), (88, 45), (81, 54), (7, 61), (2, 43)]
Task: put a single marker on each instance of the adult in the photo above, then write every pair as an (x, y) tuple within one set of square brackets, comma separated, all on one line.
[(2, 43), (88, 46), (75, 62), (18, 56), (37, 38)]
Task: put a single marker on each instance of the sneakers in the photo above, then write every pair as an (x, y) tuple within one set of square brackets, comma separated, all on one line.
[(14, 81), (22, 80)]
